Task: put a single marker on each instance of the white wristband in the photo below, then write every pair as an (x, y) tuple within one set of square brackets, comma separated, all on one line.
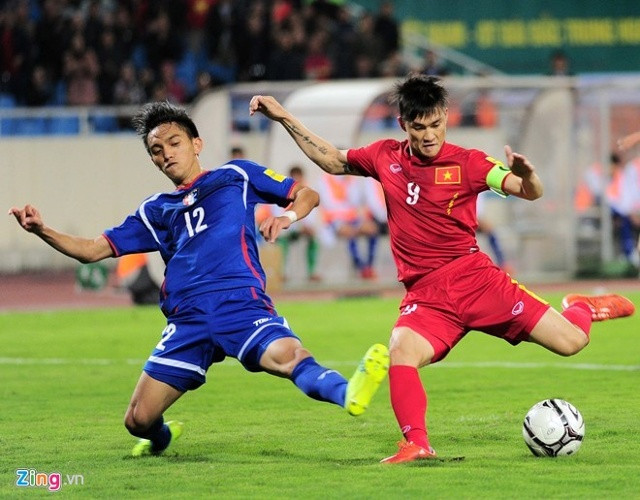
[(291, 215)]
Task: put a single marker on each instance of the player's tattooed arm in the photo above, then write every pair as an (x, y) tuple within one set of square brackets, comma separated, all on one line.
[(322, 153)]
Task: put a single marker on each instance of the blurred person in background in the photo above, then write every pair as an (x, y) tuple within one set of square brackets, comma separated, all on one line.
[(345, 217), (81, 70)]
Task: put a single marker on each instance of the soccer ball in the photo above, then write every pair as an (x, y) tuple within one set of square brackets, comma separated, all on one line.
[(553, 427)]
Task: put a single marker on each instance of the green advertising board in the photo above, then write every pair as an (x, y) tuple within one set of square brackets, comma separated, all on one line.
[(518, 37)]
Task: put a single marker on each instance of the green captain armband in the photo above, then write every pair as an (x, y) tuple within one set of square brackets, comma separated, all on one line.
[(496, 176)]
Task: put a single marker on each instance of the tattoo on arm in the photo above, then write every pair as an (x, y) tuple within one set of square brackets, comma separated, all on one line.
[(293, 130)]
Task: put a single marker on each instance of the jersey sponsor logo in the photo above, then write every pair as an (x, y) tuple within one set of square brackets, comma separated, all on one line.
[(408, 309), (275, 176), (190, 198), (395, 168), (448, 175), (261, 321), (518, 308)]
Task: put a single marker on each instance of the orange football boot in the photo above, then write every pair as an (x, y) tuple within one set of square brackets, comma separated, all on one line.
[(602, 307), (409, 452)]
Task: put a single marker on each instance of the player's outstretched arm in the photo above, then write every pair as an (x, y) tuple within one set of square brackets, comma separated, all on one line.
[(322, 153), (81, 249), (304, 198), (524, 183)]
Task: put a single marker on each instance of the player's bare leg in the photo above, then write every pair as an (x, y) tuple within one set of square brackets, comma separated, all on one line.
[(562, 335), (144, 418)]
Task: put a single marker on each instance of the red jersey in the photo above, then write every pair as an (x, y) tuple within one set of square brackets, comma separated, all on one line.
[(432, 204)]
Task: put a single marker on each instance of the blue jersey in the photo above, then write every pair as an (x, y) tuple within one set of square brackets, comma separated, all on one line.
[(206, 231)]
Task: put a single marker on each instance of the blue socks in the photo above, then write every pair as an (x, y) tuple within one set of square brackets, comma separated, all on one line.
[(319, 382), (158, 434)]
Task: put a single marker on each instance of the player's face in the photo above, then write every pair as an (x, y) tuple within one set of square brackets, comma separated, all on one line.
[(174, 153), (426, 134)]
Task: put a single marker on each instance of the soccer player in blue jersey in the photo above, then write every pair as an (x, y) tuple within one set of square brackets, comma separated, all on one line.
[(213, 295)]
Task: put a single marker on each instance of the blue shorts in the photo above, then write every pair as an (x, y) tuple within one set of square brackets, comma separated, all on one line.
[(239, 323)]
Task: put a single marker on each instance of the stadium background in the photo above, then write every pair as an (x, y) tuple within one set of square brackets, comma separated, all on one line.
[(89, 171)]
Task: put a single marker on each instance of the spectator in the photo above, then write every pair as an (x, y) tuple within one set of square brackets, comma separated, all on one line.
[(286, 61), (623, 196), (252, 47), (161, 42), (128, 89), (111, 59), (559, 64), (39, 91), (393, 65), (237, 152), (386, 29), (197, 13), (486, 228), (93, 24), (432, 65), (81, 69), (15, 49), (223, 28), (52, 38), (124, 30), (204, 83), (317, 64), (342, 38), (304, 230), (345, 217), (176, 91), (367, 47)]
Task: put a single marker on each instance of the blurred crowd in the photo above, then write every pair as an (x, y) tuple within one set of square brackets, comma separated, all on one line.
[(105, 52)]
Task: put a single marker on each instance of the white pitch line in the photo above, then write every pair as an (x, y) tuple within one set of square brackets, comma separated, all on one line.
[(230, 362)]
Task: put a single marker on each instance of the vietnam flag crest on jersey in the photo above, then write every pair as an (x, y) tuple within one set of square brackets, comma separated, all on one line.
[(448, 175)]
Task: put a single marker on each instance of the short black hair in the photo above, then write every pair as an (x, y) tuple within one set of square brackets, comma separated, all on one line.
[(419, 95), (156, 113)]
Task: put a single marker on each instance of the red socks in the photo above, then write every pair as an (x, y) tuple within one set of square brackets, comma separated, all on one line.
[(409, 403), (579, 314)]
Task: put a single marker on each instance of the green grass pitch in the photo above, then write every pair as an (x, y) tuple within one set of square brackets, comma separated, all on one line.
[(66, 378)]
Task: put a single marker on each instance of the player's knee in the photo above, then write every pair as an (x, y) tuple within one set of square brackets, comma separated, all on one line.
[(283, 355), (137, 421), (299, 354), (407, 348), (573, 344)]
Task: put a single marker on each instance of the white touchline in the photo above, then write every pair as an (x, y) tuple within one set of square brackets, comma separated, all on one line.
[(444, 364)]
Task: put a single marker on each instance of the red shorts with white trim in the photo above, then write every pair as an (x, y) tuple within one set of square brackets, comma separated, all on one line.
[(469, 293)]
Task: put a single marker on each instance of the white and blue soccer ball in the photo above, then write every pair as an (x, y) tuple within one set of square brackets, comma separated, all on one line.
[(552, 428)]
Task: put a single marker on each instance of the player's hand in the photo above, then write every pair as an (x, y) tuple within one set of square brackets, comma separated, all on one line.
[(268, 106), (272, 226), (28, 217), (519, 164)]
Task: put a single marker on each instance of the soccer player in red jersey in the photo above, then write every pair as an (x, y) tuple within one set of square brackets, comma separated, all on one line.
[(430, 187)]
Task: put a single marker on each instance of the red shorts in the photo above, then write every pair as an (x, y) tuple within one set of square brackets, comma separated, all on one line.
[(470, 293)]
